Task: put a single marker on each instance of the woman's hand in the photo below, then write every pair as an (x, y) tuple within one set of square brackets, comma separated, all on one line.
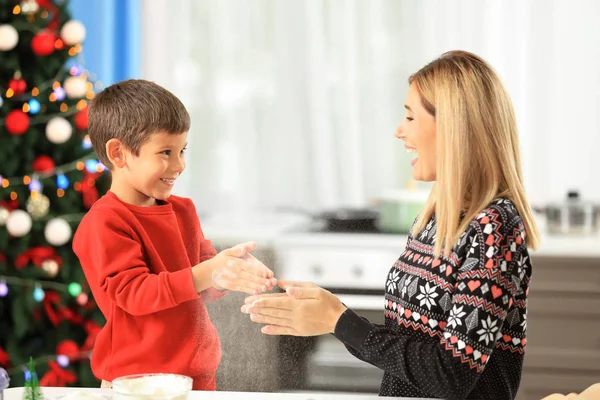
[(304, 310), (558, 396), (591, 393)]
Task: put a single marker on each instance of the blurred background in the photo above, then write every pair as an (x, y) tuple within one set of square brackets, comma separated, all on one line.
[(294, 105)]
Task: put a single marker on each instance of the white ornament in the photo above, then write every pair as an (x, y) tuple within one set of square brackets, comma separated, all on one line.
[(29, 6), (75, 87), (58, 130), (18, 223), (57, 232), (51, 267), (72, 33), (9, 37), (4, 214)]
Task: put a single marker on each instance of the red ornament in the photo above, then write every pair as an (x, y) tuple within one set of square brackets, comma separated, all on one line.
[(17, 122), (49, 6), (5, 357), (10, 204), (92, 329), (88, 188), (36, 256), (81, 119), (42, 43), (51, 298), (43, 164), (70, 315), (67, 347), (19, 86), (57, 376)]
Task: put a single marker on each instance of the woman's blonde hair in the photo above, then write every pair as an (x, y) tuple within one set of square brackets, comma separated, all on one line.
[(478, 156)]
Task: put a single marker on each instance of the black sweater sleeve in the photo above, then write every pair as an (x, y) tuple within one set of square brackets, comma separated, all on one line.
[(351, 349)]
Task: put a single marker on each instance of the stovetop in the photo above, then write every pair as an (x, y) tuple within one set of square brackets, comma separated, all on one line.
[(317, 227)]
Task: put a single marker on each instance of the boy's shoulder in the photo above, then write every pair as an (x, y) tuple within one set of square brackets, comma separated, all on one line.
[(182, 205), (99, 223), (181, 201), (109, 204), (102, 211), (108, 209)]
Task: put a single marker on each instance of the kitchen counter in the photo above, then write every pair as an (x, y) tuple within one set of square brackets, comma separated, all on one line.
[(551, 246), (58, 393)]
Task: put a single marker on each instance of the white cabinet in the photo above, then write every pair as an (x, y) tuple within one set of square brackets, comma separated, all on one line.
[(350, 261), (337, 267)]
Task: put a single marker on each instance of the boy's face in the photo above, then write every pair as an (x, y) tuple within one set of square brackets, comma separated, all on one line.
[(150, 176)]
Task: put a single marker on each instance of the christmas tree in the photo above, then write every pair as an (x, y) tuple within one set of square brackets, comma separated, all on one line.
[(49, 178)]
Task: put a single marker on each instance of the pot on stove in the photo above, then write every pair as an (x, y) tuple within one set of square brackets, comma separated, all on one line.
[(342, 219), (574, 216), (399, 208)]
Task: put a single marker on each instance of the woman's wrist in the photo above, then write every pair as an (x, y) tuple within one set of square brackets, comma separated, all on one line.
[(336, 314)]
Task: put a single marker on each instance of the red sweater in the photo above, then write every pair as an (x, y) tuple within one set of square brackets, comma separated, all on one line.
[(137, 261)]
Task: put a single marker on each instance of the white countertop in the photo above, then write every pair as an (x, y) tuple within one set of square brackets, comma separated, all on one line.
[(551, 246), (51, 393)]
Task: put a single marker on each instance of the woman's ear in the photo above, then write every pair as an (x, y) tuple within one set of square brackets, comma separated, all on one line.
[(116, 153)]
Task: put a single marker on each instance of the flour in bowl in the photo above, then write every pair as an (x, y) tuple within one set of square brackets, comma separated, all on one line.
[(152, 387)]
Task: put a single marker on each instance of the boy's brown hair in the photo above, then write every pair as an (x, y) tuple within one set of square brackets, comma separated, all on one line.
[(131, 111)]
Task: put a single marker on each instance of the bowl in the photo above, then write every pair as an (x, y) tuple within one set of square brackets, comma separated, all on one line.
[(80, 395), (152, 387)]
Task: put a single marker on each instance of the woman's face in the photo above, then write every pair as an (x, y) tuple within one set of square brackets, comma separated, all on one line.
[(418, 132)]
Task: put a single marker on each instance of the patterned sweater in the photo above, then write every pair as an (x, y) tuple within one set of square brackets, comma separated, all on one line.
[(455, 328)]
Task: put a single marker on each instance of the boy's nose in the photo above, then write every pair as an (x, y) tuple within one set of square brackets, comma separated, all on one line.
[(179, 165)]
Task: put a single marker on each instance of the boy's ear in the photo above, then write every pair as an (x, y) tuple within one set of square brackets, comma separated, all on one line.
[(115, 152)]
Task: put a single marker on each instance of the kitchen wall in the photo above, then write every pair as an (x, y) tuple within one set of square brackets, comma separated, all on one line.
[(307, 95), (299, 94)]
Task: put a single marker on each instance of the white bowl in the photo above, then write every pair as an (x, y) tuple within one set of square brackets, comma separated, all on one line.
[(152, 387)]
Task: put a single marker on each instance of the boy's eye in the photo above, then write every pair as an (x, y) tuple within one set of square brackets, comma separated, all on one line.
[(409, 118), (168, 152)]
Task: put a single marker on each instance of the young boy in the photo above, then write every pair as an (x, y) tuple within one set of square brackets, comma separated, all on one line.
[(142, 250)]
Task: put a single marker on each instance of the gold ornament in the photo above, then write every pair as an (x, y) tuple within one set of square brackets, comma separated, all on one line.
[(51, 268), (4, 213), (38, 205)]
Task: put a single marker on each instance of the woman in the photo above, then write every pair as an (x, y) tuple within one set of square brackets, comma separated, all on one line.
[(457, 296)]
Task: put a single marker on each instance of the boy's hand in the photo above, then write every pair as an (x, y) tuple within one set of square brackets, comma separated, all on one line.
[(236, 269)]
